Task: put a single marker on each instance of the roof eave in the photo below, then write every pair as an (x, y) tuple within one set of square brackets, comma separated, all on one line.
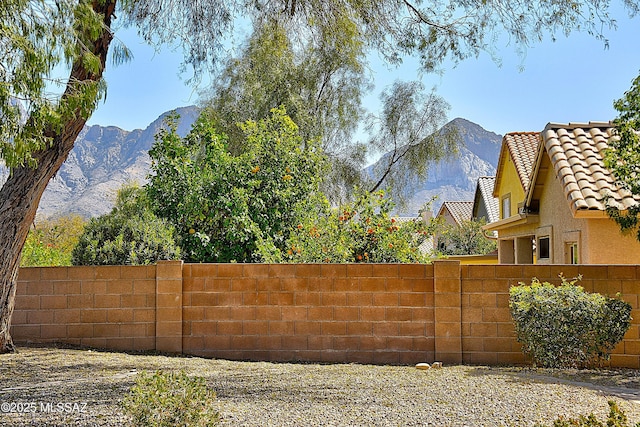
[(512, 221), (536, 168), (499, 168), (590, 213)]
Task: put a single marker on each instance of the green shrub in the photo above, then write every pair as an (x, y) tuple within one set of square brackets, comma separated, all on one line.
[(363, 231), (131, 234), (565, 326), (616, 418), (50, 242), (171, 399)]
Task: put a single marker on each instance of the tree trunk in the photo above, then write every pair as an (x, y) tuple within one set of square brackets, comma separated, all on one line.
[(21, 193)]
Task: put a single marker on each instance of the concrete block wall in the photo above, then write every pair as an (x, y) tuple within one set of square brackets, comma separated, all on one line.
[(110, 307), (367, 313), (364, 313)]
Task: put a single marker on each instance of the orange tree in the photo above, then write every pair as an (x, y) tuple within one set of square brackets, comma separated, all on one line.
[(234, 207), (360, 231)]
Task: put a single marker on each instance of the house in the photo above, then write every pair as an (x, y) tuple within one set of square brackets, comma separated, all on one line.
[(551, 187), (515, 165), (454, 213), (485, 206)]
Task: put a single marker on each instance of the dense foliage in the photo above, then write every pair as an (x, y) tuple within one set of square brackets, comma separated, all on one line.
[(234, 208), (38, 36), (623, 157), (130, 234), (467, 238), (361, 231), (564, 326), (168, 399), (51, 242)]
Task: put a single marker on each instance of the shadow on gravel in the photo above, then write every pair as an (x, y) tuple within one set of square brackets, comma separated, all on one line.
[(622, 383)]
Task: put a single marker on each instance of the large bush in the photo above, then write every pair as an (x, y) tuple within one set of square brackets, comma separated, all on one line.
[(234, 207), (129, 235), (564, 326), (168, 399), (361, 231)]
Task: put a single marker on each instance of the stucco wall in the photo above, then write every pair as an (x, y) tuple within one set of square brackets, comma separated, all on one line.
[(602, 247), (600, 240), (510, 183), (556, 215)]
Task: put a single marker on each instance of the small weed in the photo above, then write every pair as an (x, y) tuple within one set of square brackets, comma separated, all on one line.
[(171, 399)]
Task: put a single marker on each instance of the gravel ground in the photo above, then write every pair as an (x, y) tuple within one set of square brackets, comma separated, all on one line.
[(92, 383)]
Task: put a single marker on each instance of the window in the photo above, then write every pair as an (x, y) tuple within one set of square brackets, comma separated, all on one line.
[(543, 247), (572, 253), (506, 206)]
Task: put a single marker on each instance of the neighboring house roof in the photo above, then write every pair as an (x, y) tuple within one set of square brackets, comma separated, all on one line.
[(484, 193), (460, 211), (522, 148), (575, 151)]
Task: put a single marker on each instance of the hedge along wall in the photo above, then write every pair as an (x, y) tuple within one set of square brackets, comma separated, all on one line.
[(368, 313)]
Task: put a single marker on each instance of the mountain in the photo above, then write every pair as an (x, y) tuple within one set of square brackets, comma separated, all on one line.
[(103, 160), (454, 179)]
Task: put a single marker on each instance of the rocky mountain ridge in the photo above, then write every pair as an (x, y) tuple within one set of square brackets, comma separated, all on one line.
[(106, 157), (101, 162), (456, 178)]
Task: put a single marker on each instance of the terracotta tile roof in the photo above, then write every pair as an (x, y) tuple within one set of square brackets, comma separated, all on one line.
[(460, 211), (523, 147), (576, 151), (484, 191)]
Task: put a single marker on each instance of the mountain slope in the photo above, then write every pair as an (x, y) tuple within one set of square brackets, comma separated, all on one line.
[(454, 179), (102, 160), (105, 158)]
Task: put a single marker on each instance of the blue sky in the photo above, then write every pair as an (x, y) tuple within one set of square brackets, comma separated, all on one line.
[(573, 79)]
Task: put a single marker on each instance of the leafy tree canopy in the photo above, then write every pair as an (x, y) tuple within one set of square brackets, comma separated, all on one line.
[(431, 30), (320, 84), (233, 207), (623, 156), (36, 37), (468, 238)]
